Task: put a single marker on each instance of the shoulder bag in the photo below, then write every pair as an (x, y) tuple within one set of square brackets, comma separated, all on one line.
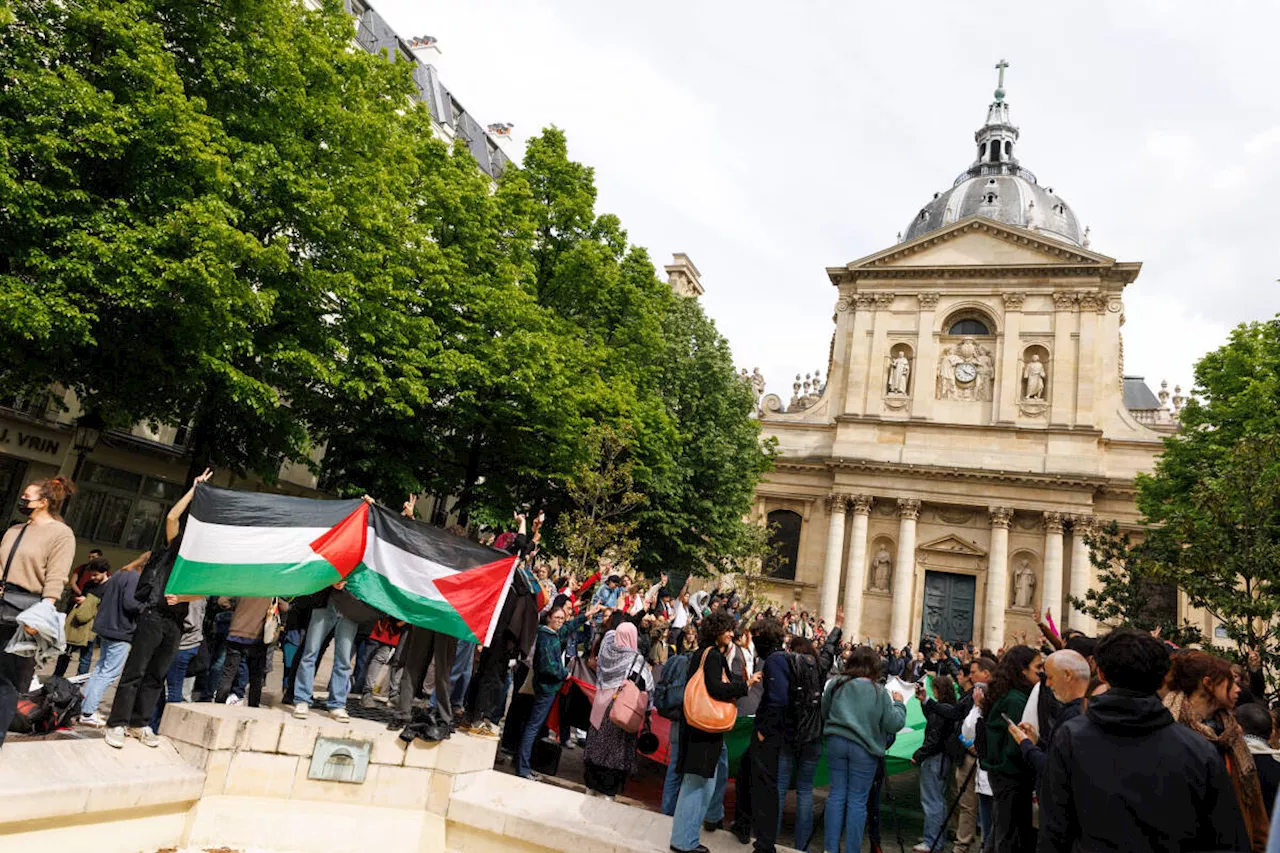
[(700, 710), (629, 706), (14, 600)]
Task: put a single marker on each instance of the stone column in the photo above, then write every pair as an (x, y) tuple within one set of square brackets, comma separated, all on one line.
[(1051, 592), (1081, 572), (904, 573), (926, 366), (1063, 360), (1009, 381), (997, 578), (855, 575), (835, 550), (1087, 373)]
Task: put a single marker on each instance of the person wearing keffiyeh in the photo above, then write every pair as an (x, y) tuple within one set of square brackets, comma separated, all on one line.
[(611, 752), (1201, 694)]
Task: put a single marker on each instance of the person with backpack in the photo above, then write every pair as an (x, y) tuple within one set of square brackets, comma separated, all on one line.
[(611, 750), (115, 623), (859, 717), (768, 637)]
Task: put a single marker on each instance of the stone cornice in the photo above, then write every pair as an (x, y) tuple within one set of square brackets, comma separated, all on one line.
[(1124, 273), (938, 472), (981, 224), (987, 428)]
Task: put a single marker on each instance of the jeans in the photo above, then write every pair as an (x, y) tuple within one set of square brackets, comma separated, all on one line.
[(459, 674), (110, 665), (537, 717), (323, 620), (671, 787), (933, 799), (365, 650), (173, 683), (155, 642), (290, 645), (984, 820), (853, 769), (804, 763), (696, 794)]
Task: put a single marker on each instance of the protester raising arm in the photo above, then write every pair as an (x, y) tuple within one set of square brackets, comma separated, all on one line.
[(173, 521)]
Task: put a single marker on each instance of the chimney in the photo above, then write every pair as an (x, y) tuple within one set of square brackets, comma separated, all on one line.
[(427, 49), (683, 276)]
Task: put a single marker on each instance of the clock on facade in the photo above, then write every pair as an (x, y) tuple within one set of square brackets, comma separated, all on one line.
[(966, 372)]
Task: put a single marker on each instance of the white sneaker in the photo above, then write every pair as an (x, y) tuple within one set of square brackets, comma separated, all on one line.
[(115, 737), (233, 699), (148, 737), (92, 720), (340, 714), (301, 710)]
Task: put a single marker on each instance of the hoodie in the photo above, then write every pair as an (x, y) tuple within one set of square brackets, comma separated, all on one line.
[(118, 610), (1124, 776)]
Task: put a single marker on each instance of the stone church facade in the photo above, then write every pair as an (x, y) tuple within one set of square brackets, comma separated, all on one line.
[(974, 424)]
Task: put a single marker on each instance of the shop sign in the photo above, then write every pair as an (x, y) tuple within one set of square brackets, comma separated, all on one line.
[(28, 443)]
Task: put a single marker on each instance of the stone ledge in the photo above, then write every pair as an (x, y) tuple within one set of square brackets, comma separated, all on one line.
[(46, 779), (497, 811), (212, 728)]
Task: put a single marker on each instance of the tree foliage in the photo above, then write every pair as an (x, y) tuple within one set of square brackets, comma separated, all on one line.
[(1213, 502), (603, 499), (223, 215)]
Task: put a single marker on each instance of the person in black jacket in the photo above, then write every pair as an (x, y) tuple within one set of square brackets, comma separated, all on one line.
[(973, 678), (1257, 724), (934, 764), (1067, 678), (1124, 776)]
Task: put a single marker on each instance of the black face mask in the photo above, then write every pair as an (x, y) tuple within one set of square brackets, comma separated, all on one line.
[(25, 507)]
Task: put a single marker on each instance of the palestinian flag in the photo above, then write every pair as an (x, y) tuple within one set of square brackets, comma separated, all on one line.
[(256, 544)]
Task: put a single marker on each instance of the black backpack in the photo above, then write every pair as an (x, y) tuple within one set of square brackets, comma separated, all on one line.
[(50, 708), (668, 694), (804, 702)]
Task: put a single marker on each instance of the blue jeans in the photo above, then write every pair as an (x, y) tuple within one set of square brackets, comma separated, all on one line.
[(364, 653), (696, 794), (933, 798), (805, 765), (110, 664), (460, 675), (984, 817), (324, 620), (671, 787), (173, 683), (537, 716), (853, 769)]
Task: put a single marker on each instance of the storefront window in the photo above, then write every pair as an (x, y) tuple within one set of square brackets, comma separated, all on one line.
[(116, 507)]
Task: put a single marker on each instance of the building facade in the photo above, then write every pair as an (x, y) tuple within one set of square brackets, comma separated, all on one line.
[(974, 423)]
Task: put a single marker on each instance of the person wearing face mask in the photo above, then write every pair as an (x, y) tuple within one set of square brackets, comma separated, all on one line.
[(36, 557)]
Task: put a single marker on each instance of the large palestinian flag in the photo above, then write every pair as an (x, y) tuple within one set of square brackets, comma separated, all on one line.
[(254, 544)]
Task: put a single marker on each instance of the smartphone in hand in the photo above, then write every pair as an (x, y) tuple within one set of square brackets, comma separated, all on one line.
[(1007, 720)]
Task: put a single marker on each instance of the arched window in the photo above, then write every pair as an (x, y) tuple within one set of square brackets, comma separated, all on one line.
[(784, 542), (968, 326)]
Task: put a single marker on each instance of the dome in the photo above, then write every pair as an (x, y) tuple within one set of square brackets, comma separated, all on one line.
[(996, 186), (1016, 199)]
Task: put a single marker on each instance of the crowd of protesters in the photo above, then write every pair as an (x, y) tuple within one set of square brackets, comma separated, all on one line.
[(1067, 743)]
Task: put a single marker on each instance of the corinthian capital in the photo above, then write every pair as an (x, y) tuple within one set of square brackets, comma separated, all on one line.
[(861, 504), (1053, 522), (908, 508), (928, 301), (836, 502), (1001, 516)]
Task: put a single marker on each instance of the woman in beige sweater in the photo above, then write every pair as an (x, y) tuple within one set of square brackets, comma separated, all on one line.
[(35, 560)]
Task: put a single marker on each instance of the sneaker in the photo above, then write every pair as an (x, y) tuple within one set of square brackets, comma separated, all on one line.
[(922, 847), (92, 720), (381, 700), (712, 826), (148, 737), (340, 714), (233, 699), (301, 710), (366, 701), (115, 737), (486, 729)]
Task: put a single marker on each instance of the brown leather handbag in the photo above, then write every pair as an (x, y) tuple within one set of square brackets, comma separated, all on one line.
[(703, 712)]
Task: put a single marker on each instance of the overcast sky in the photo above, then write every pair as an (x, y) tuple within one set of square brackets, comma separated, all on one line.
[(771, 140)]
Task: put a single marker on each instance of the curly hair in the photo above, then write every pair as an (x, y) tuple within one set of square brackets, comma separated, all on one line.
[(1188, 670), (1009, 675), (715, 624), (768, 636)]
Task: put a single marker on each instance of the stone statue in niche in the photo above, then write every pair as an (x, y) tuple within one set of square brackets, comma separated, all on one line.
[(1035, 375), (1024, 585), (881, 569), (899, 373), (947, 374), (986, 373)]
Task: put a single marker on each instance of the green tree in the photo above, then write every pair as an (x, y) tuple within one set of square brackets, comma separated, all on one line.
[(601, 521), (1214, 499)]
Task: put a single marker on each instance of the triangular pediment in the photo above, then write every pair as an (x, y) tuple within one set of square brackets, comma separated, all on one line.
[(952, 544), (981, 242)]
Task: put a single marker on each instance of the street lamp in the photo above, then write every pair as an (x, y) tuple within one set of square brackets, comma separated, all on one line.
[(89, 427)]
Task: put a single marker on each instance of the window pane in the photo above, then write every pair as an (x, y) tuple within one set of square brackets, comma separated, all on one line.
[(113, 477), (85, 508), (161, 490), (115, 511), (144, 524), (784, 539)]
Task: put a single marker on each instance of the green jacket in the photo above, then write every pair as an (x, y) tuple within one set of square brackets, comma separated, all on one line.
[(1004, 758), (79, 625)]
